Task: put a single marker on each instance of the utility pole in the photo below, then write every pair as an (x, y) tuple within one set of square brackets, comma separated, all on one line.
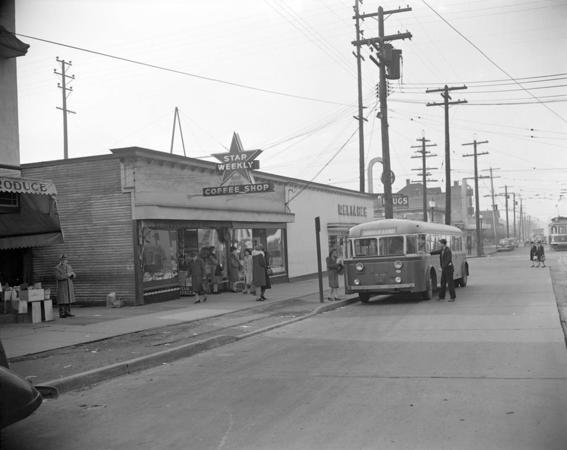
[(424, 154), (522, 231), (514, 200), (493, 204), (446, 97), (360, 117), (507, 221), (475, 154), (64, 90), (388, 58)]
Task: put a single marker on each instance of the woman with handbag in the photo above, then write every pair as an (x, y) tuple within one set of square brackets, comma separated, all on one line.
[(334, 269)]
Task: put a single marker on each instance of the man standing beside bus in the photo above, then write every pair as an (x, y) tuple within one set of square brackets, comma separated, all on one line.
[(446, 259)]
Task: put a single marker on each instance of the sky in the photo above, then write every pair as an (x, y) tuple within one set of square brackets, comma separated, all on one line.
[(283, 76)]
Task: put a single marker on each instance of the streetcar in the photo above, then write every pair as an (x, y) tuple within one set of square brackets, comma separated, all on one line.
[(392, 256), (558, 233)]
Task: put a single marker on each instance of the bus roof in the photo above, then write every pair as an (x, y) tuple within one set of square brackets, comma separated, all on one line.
[(399, 226)]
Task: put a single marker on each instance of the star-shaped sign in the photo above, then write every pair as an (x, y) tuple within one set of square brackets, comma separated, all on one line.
[(237, 160)]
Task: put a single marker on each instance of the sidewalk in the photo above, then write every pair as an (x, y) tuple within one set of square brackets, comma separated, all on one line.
[(96, 323)]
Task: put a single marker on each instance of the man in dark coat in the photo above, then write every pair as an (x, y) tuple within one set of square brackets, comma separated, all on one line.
[(447, 269), (198, 276)]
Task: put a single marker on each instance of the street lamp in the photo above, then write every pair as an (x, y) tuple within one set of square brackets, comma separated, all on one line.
[(432, 208)]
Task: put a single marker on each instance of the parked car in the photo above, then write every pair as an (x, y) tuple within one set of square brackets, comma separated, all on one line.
[(506, 245), (18, 397)]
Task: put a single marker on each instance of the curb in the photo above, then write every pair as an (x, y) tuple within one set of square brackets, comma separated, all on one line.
[(90, 377)]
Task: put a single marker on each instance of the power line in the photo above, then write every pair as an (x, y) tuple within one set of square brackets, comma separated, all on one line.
[(494, 63), (189, 74)]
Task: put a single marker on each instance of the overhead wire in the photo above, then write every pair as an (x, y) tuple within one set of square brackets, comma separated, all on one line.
[(555, 113), (340, 149), (184, 73)]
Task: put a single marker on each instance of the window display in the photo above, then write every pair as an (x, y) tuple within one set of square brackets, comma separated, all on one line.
[(159, 255)]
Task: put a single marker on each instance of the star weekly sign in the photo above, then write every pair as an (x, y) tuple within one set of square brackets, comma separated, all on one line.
[(240, 163)]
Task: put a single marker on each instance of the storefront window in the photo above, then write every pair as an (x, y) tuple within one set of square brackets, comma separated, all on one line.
[(275, 247), (159, 255), (271, 238)]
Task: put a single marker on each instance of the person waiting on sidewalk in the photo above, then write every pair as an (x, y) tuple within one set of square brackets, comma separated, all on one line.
[(235, 269), (259, 274), (533, 251), (64, 276), (540, 254), (196, 269), (248, 285), (334, 266), (447, 269)]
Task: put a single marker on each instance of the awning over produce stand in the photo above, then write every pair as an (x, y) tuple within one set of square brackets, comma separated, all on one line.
[(29, 218)]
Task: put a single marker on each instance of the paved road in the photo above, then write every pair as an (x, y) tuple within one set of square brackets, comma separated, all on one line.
[(487, 372)]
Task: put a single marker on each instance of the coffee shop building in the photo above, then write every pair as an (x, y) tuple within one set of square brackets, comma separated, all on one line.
[(133, 217)]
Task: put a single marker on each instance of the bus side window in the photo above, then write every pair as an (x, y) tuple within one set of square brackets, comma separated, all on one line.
[(411, 245), (421, 243)]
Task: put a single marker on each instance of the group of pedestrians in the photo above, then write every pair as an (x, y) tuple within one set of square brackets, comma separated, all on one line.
[(537, 254), (255, 269)]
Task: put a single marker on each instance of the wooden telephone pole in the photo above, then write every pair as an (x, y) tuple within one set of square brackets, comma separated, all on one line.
[(424, 154), (475, 155), (388, 58), (446, 97), (64, 90)]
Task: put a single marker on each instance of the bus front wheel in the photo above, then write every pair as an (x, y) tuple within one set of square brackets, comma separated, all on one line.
[(364, 297), (431, 287), (462, 282)]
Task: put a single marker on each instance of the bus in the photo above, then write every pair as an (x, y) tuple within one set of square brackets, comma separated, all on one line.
[(392, 256), (558, 233)]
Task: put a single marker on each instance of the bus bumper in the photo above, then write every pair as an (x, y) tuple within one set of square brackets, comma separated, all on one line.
[(381, 288)]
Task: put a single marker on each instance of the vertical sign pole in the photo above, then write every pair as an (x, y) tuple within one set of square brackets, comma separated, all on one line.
[(319, 269)]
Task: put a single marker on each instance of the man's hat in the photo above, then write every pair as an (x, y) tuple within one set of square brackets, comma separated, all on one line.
[(443, 241), (63, 257)]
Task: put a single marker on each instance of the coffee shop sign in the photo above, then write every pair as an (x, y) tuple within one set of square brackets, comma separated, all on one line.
[(238, 162), (352, 210)]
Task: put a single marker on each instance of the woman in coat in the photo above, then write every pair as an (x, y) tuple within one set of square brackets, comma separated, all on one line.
[(235, 269), (65, 290), (533, 250), (196, 268), (259, 273), (248, 273), (333, 274)]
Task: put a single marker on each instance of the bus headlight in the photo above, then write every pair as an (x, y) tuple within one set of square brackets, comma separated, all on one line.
[(398, 265), (356, 281), (359, 267), (398, 279)]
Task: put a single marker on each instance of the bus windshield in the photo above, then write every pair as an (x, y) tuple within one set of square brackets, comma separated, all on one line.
[(379, 246)]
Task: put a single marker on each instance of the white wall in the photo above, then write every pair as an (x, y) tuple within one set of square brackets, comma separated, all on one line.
[(302, 247)]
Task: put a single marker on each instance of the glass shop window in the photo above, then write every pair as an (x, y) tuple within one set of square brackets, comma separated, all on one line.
[(159, 254)]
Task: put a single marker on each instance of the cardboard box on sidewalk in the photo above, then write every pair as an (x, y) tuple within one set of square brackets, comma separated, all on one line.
[(32, 295)]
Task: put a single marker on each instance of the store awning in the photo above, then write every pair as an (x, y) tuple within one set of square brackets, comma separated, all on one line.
[(29, 218), (10, 45)]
